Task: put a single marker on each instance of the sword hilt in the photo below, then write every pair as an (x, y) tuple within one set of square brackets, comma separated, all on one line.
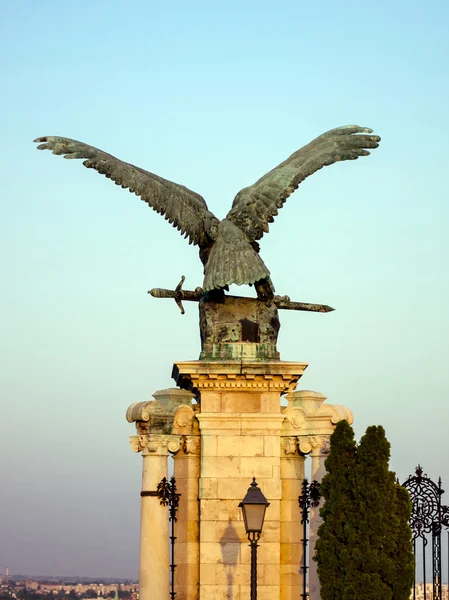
[(178, 294)]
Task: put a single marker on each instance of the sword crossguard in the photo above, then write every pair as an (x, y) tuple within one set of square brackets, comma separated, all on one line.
[(178, 296)]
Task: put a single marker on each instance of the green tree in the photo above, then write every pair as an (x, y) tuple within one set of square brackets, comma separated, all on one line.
[(337, 489), (403, 558), (364, 550)]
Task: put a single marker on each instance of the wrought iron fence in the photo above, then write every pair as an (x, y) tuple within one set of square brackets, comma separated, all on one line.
[(310, 496), (429, 518), (168, 496)]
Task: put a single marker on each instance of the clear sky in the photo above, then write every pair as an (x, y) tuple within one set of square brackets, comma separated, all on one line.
[(211, 95)]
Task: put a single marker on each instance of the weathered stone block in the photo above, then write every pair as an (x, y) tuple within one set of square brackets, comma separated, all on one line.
[(220, 592), (208, 445), (271, 575), (290, 553), (271, 445), (213, 553), (289, 510), (221, 466), (211, 402), (258, 467), (292, 468), (272, 488), (207, 573), (187, 553), (187, 531), (290, 574), (235, 445), (291, 531), (248, 402), (269, 402), (271, 532), (233, 531), (208, 487), (291, 489), (267, 554), (264, 592), (219, 510)]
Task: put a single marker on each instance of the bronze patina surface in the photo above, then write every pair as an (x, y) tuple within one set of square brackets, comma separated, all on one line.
[(229, 248), (231, 326)]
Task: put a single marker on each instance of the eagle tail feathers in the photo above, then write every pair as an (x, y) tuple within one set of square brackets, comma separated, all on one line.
[(232, 259)]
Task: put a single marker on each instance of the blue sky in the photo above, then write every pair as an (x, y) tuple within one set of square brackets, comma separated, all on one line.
[(210, 95)]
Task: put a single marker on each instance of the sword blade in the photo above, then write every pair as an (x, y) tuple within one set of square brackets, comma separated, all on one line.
[(280, 301)]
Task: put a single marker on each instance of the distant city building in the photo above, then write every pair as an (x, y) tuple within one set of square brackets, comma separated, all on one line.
[(54, 588), (423, 592)]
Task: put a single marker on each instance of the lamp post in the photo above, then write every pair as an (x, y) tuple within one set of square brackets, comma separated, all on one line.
[(253, 506), (310, 497)]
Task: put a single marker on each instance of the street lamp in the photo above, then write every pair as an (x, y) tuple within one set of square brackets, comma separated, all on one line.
[(253, 506)]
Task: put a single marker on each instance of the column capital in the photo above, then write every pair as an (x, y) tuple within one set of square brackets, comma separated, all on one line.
[(160, 416), (250, 376), (190, 444), (289, 447), (155, 444), (307, 414), (314, 444)]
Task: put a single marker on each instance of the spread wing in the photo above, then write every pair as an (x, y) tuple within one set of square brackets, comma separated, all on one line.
[(256, 206), (186, 210)]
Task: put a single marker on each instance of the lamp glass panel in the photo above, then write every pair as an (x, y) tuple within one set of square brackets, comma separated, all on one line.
[(255, 514)]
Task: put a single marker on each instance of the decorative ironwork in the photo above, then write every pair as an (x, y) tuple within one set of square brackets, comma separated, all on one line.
[(310, 497), (428, 518), (168, 496)]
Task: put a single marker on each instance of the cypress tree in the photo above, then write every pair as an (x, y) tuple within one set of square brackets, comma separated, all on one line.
[(403, 558), (375, 498), (364, 550), (336, 536)]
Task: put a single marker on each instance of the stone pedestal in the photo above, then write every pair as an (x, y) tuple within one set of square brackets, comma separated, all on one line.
[(153, 558), (236, 430), (240, 423)]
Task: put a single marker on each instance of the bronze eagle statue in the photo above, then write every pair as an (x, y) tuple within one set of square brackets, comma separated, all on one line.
[(229, 248)]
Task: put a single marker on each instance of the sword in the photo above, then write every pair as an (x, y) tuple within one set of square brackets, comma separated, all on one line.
[(283, 302)]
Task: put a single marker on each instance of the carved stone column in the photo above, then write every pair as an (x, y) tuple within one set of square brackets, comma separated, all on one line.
[(319, 447), (154, 561), (187, 472), (292, 475), (154, 424)]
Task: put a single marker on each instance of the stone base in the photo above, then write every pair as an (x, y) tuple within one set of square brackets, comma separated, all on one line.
[(238, 328), (237, 430), (240, 423)]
